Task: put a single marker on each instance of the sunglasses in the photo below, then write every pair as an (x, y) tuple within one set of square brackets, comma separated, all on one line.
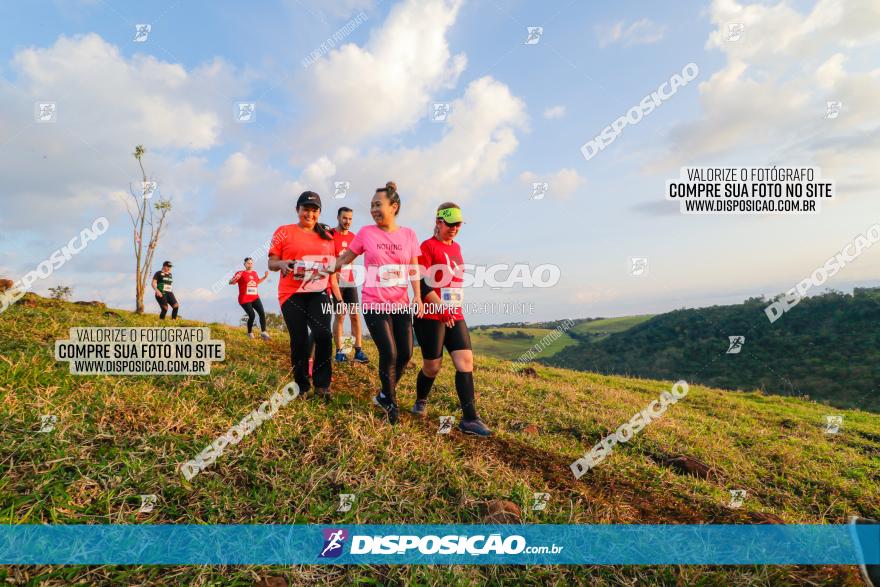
[(452, 224)]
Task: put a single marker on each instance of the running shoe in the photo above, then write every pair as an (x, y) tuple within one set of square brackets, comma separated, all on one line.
[(250, 334), (324, 394), (870, 573), (340, 357), (476, 427), (389, 407), (420, 408), (360, 357), (264, 335)]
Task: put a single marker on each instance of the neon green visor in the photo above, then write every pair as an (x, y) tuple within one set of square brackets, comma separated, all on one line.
[(450, 215)]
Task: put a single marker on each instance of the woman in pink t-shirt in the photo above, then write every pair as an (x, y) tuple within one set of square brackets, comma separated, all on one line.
[(391, 261)]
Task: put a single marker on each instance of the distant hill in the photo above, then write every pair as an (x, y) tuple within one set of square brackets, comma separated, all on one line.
[(826, 347), (511, 340)]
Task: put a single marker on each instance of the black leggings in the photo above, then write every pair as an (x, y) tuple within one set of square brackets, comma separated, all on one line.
[(253, 309), (392, 334), (163, 301), (433, 335), (304, 312)]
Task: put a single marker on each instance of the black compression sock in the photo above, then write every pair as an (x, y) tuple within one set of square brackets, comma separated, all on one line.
[(464, 386), (174, 313), (423, 385)]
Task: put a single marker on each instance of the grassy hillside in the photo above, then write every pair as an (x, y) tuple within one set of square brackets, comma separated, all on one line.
[(597, 330), (512, 348), (826, 347), (118, 437)]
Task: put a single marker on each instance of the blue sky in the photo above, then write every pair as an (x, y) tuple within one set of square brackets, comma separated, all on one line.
[(520, 114)]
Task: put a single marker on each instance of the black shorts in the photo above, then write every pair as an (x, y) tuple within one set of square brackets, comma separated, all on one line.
[(433, 335), (349, 298), (349, 294), (167, 299)]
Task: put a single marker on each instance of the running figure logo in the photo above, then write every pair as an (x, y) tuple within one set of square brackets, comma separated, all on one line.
[(141, 32), (245, 111), (445, 424), (47, 423), (833, 424), (346, 500), (333, 540), (736, 344), (540, 189), (439, 111), (638, 266), (735, 31), (737, 496), (340, 189), (148, 502), (832, 109), (149, 188), (539, 501), (534, 35), (46, 112)]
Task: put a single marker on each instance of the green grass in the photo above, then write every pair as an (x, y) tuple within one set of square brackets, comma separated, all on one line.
[(512, 348), (600, 329), (118, 437)]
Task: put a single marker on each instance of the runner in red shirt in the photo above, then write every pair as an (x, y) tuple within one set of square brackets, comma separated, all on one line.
[(443, 322), (342, 237), (248, 298)]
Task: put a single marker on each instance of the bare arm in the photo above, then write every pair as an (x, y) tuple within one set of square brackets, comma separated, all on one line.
[(344, 259), (334, 287), (263, 278), (415, 283), (276, 264)]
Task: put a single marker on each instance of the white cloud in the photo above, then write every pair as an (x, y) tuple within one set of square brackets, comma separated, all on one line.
[(554, 112), (640, 32), (58, 174), (246, 179), (356, 92), (382, 90), (768, 102), (562, 183), (479, 136)]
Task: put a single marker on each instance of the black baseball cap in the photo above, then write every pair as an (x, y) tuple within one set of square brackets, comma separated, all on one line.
[(167, 264), (309, 198)]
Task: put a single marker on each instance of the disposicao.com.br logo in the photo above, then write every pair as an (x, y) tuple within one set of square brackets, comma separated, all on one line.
[(453, 544)]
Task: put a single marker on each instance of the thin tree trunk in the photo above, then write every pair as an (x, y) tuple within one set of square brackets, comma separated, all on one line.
[(139, 273)]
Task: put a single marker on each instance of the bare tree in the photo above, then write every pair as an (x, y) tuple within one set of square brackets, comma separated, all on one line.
[(145, 215)]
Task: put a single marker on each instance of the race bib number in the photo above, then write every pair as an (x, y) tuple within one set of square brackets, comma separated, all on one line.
[(392, 276), (167, 287), (451, 296), (251, 289)]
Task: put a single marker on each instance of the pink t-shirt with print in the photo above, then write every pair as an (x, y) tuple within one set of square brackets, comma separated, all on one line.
[(386, 257)]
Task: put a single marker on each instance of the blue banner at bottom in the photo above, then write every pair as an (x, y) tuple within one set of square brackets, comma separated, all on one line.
[(440, 544)]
